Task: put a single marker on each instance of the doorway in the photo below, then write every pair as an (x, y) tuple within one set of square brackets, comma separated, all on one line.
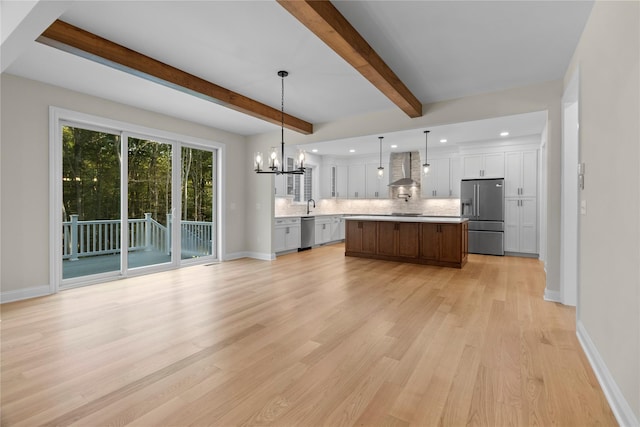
[(570, 217)]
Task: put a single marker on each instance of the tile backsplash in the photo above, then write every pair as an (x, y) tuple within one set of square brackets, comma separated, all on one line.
[(284, 206)]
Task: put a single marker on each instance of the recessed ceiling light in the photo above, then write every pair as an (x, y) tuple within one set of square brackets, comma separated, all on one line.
[(394, 146), (504, 133), (315, 150), (352, 151), (443, 140)]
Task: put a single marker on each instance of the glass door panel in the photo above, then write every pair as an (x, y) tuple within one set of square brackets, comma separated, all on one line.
[(197, 231), (90, 202), (149, 203)]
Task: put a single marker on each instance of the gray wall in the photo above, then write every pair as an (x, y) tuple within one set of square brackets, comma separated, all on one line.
[(24, 175), (609, 237)]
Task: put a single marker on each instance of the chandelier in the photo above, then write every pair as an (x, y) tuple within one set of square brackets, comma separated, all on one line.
[(276, 162)]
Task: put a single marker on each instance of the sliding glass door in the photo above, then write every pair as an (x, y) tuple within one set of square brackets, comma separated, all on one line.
[(148, 202), (156, 206), (91, 220), (197, 228)]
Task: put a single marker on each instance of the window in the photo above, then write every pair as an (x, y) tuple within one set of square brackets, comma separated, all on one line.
[(303, 186)]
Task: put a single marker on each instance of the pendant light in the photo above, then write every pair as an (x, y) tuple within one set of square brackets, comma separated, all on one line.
[(380, 168), (277, 163), (425, 165)]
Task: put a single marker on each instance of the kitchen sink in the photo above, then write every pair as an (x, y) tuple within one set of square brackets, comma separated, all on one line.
[(405, 214)]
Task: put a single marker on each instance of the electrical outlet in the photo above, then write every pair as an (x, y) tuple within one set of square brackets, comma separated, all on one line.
[(583, 207)]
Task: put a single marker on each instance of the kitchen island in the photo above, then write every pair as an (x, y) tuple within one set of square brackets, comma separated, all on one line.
[(441, 241)]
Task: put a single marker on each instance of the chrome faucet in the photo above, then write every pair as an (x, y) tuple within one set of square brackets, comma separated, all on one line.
[(314, 205)]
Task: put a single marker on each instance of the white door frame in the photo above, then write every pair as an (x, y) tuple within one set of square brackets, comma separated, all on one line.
[(570, 213)]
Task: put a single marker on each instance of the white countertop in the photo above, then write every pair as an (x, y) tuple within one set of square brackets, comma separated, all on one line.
[(440, 219)]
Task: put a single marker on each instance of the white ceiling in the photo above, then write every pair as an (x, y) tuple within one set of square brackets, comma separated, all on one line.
[(489, 130), (440, 49)]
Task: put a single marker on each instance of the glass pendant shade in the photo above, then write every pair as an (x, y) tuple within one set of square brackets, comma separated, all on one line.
[(258, 161), (301, 158), (273, 158)]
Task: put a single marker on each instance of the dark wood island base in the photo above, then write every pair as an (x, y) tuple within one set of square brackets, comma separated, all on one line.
[(421, 240)]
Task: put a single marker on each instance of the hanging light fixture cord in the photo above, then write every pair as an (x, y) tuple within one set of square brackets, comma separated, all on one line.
[(425, 165), (282, 75)]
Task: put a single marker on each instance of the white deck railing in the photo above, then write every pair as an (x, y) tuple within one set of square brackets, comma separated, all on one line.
[(102, 237)]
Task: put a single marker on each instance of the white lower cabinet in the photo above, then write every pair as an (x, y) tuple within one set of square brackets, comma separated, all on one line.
[(286, 234), (323, 229), (521, 226), (329, 228), (337, 228)]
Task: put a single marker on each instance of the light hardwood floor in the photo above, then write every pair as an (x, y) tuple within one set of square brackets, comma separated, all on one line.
[(314, 338)]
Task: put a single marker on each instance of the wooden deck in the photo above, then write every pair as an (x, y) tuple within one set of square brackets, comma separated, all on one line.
[(312, 338), (105, 263)]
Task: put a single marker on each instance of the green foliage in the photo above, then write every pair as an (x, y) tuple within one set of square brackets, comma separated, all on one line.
[(91, 178), (90, 174)]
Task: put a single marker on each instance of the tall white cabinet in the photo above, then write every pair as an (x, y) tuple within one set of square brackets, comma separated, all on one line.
[(521, 176), (520, 226), (521, 203)]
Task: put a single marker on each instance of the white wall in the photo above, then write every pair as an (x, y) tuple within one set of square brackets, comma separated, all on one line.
[(609, 106), (545, 96), (24, 225)]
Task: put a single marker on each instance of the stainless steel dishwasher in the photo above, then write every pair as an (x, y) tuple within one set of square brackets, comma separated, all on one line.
[(307, 232)]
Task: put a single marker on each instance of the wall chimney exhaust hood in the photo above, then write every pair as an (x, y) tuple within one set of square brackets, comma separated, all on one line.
[(401, 165)]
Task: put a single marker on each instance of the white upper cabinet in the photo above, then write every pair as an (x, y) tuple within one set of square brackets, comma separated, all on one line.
[(483, 165), (325, 181), (521, 174), (376, 188), (437, 183), (333, 181), (356, 182), (454, 169)]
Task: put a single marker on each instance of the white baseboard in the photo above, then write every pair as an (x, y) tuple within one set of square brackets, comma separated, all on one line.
[(256, 255), (20, 294), (553, 296), (234, 255), (619, 405)]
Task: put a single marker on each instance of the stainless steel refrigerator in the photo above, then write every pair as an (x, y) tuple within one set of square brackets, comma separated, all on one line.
[(482, 201)]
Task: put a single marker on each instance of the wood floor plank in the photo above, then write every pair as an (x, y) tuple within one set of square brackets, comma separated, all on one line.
[(312, 338)]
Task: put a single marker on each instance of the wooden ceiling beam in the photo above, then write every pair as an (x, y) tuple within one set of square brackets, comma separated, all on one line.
[(75, 40), (326, 22)]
